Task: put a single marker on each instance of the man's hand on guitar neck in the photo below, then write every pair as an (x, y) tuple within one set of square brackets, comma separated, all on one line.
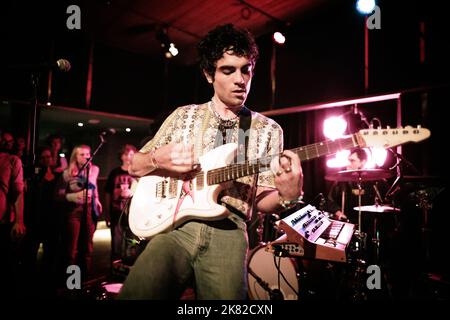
[(288, 175), (288, 182)]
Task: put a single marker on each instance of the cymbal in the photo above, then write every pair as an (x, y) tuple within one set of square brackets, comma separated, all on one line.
[(377, 209), (363, 174)]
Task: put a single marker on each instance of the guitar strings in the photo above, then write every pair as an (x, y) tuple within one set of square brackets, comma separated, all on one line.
[(227, 172)]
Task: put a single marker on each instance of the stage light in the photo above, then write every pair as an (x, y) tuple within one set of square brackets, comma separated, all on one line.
[(340, 159), (169, 47), (128, 129), (173, 50), (376, 158), (365, 6), (334, 127), (80, 124), (279, 38)]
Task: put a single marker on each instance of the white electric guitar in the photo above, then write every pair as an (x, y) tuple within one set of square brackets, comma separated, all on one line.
[(160, 204)]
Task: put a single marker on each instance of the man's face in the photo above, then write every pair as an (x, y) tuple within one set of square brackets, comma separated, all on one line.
[(354, 162), (232, 79)]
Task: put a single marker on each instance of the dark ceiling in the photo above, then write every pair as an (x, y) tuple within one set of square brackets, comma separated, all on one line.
[(134, 25), (117, 65)]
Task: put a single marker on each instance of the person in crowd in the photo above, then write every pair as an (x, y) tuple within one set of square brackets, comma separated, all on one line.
[(12, 226), (78, 192), (118, 194)]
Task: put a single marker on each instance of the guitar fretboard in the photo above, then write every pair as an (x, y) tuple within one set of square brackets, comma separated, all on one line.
[(308, 152)]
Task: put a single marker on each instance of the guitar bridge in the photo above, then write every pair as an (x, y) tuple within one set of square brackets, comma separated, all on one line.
[(161, 189)]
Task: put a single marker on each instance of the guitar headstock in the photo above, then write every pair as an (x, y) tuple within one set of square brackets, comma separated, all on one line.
[(391, 137)]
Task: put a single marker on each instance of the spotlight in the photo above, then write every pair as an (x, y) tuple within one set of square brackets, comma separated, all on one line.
[(365, 6), (376, 157), (279, 38), (334, 127), (166, 44), (340, 159), (172, 49)]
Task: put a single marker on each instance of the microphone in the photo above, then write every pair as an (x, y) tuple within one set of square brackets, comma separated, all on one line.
[(106, 133), (62, 65)]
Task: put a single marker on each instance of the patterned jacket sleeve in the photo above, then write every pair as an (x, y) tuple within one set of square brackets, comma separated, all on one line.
[(274, 147), (164, 134)]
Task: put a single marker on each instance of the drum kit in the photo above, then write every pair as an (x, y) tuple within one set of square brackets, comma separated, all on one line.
[(280, 278)]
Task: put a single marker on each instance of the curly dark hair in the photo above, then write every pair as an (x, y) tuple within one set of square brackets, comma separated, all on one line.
[(221, 39), (361, 153)]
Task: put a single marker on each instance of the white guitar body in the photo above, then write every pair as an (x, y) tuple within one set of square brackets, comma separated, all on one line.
[(154, 210)]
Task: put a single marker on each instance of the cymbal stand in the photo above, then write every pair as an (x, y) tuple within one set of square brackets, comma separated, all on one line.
[(426, 206), (376, 232), (359, 202)]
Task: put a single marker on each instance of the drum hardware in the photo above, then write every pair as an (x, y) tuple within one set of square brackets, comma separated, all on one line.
[(360, 174), (424, 198), (377, 208)]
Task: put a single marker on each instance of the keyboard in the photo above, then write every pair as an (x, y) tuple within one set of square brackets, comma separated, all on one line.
[(309, 233)]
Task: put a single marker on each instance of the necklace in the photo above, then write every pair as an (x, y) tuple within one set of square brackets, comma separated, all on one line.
[(225, 123)]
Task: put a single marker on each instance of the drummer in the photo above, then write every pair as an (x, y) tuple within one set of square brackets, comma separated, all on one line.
[(343, 196)]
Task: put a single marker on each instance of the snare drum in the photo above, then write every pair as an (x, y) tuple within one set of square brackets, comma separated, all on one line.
[(263, 276)]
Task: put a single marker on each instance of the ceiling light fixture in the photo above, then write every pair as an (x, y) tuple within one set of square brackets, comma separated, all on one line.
[(170, 50)]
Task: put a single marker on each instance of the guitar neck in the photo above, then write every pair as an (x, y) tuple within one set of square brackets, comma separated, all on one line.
[(308, 152)]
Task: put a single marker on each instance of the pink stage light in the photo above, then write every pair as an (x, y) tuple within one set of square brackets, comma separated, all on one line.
[(379, 156), (334, 127), (340, 159)]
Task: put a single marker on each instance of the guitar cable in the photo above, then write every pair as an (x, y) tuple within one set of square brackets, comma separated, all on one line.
[(282, 275)]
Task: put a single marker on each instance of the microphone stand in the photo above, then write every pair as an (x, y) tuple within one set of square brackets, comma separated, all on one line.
[(273, 294), (89, 160), (399, 169), (86, 166), (34, 122)]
